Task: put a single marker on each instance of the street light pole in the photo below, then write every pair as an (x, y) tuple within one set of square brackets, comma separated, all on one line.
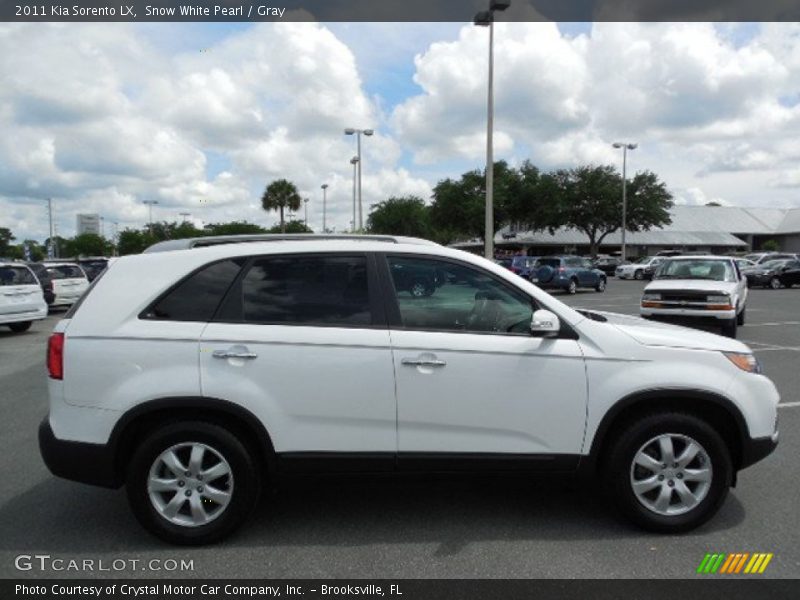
[(324, 187), (150, 204), (354, 161), (486, 19), (625, 147), (358, 132), (184, 215), (305, 205)]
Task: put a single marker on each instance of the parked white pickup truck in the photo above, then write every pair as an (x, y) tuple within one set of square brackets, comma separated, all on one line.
[(695, 289)]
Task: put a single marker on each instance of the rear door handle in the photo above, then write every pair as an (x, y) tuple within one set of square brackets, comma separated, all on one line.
[(232, 353), (424, 361)]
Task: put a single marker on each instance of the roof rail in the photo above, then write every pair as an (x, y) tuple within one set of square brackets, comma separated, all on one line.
[(216, 240)]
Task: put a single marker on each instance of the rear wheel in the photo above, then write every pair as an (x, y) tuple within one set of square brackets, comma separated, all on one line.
[(775, 283), (601, 285), (669, 472), (20, 327), (192, 482), (572, 287), (638, 274)]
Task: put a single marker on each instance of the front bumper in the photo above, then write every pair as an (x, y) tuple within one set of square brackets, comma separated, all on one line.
[(687, 314), (756, 449), (77, 461)]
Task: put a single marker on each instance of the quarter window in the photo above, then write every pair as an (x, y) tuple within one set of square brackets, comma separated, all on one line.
[(443, 296), (303, 290), (196, 298), (16, 276)]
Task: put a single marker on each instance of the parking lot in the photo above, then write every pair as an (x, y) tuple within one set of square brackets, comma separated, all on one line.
[(482, 528)]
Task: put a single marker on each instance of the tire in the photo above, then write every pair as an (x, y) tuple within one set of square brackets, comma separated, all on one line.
[(640, 440), (741, 316), (20, 327), (572, 287), (639, 274), (241, 483), (775, 283), (729, 327), (601, 285)]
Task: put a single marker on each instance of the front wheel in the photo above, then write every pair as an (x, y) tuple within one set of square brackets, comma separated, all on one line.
[(20, 327), (639, 274), (601, 286), (669, 472), (741, 317), (729, 327), (775, 283), (192, 482)]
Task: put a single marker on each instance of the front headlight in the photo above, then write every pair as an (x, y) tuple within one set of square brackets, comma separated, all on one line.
[(646, 297), (746, 362), (719, 299)]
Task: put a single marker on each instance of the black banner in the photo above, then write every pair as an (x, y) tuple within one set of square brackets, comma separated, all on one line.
[(398, 10), (403, 589)]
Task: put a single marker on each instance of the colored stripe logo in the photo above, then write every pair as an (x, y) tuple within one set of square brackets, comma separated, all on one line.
[(735, 564)]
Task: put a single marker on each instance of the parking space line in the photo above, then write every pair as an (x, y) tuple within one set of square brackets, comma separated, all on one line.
[(776, 323), (788, 404)]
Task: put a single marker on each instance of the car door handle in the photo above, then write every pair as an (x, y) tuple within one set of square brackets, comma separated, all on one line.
[(424, 362), (234, 354)]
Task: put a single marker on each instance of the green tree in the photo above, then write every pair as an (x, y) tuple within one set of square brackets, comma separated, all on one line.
[(589, 198), (6, 237), (233, 228), (133, 241), (281, 195), (293, 226), (87, 244), (406, 215), (771, 246)]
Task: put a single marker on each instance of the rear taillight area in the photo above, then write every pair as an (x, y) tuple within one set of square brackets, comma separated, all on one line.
[(55, 356)]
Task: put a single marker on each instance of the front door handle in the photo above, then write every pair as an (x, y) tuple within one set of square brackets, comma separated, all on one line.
[(424, 361), (234, 353)]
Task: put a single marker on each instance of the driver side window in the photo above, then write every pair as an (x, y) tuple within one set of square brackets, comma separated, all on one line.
[(438, 295)]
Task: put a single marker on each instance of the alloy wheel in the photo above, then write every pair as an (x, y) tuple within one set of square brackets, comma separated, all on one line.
[(671, 474)]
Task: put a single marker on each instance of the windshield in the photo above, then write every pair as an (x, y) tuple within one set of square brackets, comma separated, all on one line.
[(66, 272), (714, 270), (644, 259)]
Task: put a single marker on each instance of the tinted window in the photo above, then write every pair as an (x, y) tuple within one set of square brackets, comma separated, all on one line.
[(549, 262), (196, 298), (16, 276), (304, 290), (443, 296), (66, 272)]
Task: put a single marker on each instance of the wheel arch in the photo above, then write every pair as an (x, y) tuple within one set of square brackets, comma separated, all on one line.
[(719, 411), (138, 421)]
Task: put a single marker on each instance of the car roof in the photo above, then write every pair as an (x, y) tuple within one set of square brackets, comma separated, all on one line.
[(12, 263), (217, 240), (700, 257)]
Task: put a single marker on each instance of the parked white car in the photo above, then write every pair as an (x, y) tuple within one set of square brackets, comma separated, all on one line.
[(641, 269), (227, 367), (69, 282), (21, 297), (694, 289)]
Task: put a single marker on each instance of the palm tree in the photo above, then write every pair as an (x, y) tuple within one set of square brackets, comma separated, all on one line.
[(281, 195)]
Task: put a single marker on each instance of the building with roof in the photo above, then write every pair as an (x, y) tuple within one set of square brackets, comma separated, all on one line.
[(713, 229)]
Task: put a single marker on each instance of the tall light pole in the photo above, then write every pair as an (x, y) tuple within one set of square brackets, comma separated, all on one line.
[(354, 161), (324, 187), (116, 238), (305, 205), (358, 132), (625, 147), (50, 249), (150, 204), (486, 19), (185, 215)]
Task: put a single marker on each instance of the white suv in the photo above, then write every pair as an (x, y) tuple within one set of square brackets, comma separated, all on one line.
[(229, 366), (21, 297)]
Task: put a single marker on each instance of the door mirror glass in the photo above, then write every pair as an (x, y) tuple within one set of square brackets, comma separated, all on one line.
[(545, 324)]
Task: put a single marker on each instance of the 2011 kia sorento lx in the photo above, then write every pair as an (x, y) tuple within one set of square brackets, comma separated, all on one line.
[(227, 366)]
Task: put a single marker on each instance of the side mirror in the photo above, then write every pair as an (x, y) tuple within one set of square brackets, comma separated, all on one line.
[(545, 324)]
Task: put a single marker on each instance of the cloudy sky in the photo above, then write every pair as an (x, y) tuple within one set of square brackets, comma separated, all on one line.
[(200, 117)]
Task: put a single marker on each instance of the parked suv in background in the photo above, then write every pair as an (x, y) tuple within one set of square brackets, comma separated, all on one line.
[(21, 299), (567, 273), (69, 282), (226, 368), (524, 266), (698, 289), (774, 273)]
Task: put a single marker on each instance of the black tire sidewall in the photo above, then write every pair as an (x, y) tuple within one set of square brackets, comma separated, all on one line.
[(20, 327), (617, 471), (246, 481)]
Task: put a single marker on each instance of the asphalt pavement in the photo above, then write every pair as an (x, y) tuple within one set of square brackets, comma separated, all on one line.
[(409, 528)]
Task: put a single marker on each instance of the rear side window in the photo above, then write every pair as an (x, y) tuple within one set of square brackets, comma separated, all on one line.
[(16, 276), (302, 290), (66, 272), (549, 262), (197, 297)]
